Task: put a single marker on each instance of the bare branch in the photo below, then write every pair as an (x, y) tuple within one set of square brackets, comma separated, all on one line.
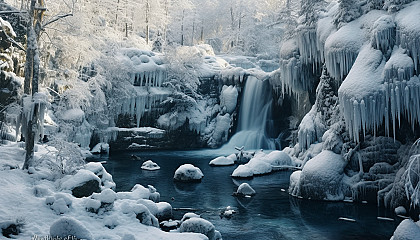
[(56, 19)]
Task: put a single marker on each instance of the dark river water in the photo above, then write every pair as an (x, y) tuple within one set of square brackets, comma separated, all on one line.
[(270, 214)]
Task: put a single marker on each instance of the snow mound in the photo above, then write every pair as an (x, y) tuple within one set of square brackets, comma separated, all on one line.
[(407, 230), (223, 161), (68, 226), (107, 196), (245, 190), (321, 177), (188, 173), (278, 159), (294, 187), (150, 165)]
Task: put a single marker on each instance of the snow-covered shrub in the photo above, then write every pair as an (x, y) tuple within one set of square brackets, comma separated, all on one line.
[(68, 157), (68, 226), (412, 181)]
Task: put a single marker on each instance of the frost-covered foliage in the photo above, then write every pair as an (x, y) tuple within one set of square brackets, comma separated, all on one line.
[(323, 114), (68, 157), (412, 181), (348, 10)]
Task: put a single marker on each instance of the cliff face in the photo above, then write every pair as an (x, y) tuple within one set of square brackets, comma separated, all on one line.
[(366, 107)]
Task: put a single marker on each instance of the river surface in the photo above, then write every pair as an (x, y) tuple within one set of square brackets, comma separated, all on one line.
[(270, 214)]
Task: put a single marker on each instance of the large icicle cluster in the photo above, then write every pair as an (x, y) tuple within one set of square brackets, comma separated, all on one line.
[(144, 100), (379, 91), (147, 68)]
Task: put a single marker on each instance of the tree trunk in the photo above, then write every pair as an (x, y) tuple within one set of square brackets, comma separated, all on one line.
[(147, 21)]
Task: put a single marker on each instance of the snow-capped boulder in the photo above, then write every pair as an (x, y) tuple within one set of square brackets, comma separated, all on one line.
[(245, 190), (137, 192), (407, 230), (149, 204), (243, 171), (169, 225), (189, 215), (92, 205), (321, 177), (164, 211), (198, 225), (144, 216), (99, 170), (82, 184), (222, 161), (188, 173), (68, 226), (294, 186), (150, 165)]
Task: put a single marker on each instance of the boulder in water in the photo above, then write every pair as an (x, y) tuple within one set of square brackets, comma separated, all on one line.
[(188, 173)]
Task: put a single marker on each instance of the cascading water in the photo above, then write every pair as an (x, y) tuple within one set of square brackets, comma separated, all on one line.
[(254, 113)]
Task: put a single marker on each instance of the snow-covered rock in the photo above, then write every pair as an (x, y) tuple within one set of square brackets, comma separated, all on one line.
[(294, 185), (107, 196), (189, 215), (321, 177), (99, 170), (68, 226), (400, 211), (150, 165), (82, 184), (164, 211), (188, 173), (245, 190), (199, 225), (243, 171), (222, 161), (407, 230)]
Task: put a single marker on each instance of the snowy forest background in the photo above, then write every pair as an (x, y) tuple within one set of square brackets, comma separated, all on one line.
[(342, 76)]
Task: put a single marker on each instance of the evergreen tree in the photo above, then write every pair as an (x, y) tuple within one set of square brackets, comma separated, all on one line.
[(348, 10)]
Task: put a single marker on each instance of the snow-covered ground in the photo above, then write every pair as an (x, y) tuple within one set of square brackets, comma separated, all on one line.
[(35, 200)]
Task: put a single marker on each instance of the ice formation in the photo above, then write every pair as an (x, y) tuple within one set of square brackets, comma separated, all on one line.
[(229, 98)]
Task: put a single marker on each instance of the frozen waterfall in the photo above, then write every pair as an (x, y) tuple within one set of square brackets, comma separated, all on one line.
[(254, 113)]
